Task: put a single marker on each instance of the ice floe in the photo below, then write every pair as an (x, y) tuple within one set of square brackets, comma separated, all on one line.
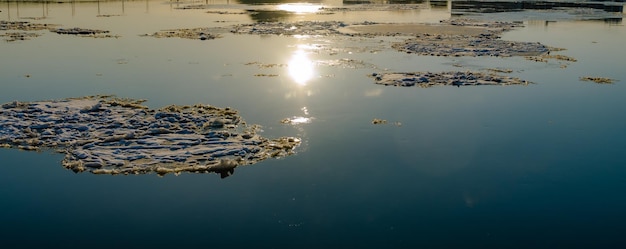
[(599, 80), (194, 34), (108, 135), (486, 43), (24, 26), (452, 78)]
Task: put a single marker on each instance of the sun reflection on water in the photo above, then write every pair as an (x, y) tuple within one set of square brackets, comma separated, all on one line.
[(299, 7), (300, 67), (297, 120)]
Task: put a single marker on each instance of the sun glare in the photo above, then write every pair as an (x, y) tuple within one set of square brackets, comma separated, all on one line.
[(297, 120), (300, 67), (300, 7)]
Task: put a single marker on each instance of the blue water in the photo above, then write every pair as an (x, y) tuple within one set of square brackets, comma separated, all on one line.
[(537, 166)]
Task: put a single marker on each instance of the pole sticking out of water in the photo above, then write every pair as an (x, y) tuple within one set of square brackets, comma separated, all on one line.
[(9, 11)]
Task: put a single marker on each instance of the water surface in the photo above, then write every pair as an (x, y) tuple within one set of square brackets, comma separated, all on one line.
[(537, 166)]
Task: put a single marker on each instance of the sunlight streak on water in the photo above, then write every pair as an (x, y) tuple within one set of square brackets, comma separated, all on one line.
[(299, 7), (300, 67), (297, 120)]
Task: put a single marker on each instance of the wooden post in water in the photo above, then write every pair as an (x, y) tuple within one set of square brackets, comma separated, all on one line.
[(8, 10)]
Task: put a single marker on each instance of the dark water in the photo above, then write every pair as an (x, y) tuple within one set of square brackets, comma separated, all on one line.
[(537, 166)]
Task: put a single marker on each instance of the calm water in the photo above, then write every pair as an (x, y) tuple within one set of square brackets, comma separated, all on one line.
[(537, 166)]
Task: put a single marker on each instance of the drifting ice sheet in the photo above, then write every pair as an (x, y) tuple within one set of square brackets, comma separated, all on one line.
[(107, 135)]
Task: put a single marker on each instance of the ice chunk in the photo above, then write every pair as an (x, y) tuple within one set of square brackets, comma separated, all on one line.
[(108, 135)]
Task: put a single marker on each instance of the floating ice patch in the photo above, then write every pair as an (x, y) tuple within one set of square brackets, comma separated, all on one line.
[(78, 31), (106, 135), (18, 36), (460, 45), (290, 28), (194, 34), (487, 43), (24, 26), (81, 32), (428, 79), (599, 80)]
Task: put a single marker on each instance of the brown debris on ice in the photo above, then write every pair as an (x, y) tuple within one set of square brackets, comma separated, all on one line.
[(107, 135)]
